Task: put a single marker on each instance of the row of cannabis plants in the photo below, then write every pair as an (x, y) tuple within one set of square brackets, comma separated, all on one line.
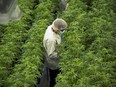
[(88, 51), (12, 38), (27, 72)]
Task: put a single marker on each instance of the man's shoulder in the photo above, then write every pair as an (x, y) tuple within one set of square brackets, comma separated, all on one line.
[(49, 27)]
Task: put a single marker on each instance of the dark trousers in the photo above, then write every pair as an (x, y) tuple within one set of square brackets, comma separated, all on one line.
[(53, 75), (45, 79), (48, 77)]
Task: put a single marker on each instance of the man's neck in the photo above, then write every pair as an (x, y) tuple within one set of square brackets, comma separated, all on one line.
[(55, 31)]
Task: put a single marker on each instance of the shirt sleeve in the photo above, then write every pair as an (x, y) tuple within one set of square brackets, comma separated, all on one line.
[(50, 47)]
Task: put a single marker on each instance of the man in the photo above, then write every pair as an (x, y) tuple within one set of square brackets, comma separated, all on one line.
[(51, 41), (9, 10), (63, 4)]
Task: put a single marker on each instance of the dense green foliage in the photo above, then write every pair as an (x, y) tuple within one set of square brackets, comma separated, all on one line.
[(11, 42), (87, 53), (30, 63)]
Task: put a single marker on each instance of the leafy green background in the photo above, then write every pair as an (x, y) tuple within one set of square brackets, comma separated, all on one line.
[(87, 53)]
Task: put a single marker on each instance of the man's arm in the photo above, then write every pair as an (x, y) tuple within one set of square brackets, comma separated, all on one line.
[(50, 46)]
